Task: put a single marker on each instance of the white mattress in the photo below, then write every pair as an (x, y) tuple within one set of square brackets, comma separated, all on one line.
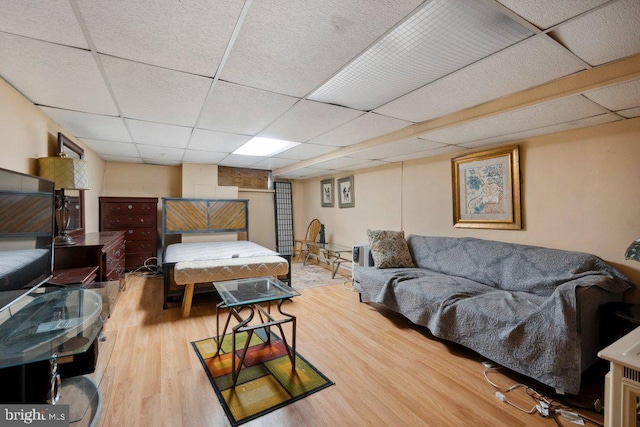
[(205, 251), (229, 269)]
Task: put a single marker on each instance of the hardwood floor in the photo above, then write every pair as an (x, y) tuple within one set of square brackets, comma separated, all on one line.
[(386, 371)]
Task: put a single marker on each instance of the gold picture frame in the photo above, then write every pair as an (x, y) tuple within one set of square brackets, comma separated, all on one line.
[(486, 189)]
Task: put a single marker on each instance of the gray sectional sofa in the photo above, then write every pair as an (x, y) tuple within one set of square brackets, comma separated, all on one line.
[(531, 309)]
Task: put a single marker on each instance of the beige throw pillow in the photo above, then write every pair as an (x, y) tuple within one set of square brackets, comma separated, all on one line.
[(389, 249)]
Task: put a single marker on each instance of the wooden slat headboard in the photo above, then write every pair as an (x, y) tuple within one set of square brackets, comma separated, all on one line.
[(190, 216)]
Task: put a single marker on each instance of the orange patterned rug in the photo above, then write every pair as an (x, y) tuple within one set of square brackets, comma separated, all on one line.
[(266, 381)]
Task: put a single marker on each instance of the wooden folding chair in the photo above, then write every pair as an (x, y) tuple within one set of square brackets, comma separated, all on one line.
[(312, 235)]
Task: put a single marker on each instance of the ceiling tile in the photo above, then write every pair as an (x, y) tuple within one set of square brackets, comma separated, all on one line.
[(366, 164), (441, 37), (604, 35), (618, 97), (159, 134), (630, 113), (159, 162), (121, 159), (305, 151), (244, 110), (162, 162), (93, 126), (151, 152), (339, 163), (208, 140), (188, 36), (156, 94), (367, 126), (111, 148), (413, 145), (238, 160), (291, 47), (547, 13), (423, 154), (51, 20), (207, 157), (527, 64), (307, 120), (546, 114), (304, 173), (274, 163), (54, 75), (561, 127)]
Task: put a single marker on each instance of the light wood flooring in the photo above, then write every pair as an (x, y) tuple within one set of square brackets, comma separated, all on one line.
[(387, 372)]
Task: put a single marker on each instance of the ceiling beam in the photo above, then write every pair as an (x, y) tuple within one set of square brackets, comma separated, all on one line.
[(604, 75)]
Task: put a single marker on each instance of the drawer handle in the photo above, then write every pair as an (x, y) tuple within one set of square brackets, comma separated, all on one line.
[(130, 206), (130, 231)]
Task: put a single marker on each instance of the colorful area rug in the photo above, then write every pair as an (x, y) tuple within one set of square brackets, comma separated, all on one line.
[(266, 381)]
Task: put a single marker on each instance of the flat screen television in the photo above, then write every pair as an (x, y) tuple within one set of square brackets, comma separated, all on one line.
[(27, 212)]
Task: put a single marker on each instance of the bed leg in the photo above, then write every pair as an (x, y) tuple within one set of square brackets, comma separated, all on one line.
[(186, 300)]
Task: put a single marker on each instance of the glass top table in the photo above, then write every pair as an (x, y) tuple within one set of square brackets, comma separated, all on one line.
[(54, 322), (253, 291), (244, 298), (332, 253)]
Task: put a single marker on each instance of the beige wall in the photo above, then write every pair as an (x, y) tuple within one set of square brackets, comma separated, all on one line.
[(261, 217), (579, 192), (138, 180), (27, 133), (191, 180), (580, 188)]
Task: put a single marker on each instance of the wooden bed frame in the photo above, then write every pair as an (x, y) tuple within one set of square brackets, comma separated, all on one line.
[(182, 216)]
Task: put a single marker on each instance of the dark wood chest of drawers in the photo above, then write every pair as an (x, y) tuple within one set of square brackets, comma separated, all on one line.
[(137, 217), (104, 250)]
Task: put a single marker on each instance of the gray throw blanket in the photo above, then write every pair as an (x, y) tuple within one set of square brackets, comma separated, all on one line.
[(513, 304)]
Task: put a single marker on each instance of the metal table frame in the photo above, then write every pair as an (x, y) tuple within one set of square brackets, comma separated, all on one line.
[(331, 252), (267, 320)]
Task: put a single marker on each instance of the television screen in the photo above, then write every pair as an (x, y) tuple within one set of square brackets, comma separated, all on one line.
[(27, 210)]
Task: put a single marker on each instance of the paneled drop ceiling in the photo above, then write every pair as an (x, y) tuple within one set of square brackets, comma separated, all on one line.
[(356, 83)]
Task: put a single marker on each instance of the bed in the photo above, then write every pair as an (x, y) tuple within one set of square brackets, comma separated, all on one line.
[(18, 266), (190, 268)]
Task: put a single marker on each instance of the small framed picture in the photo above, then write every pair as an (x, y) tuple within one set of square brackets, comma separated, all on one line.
[(326, 193), (346, 195)]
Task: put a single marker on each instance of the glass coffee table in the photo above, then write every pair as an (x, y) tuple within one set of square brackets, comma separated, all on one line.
[(256, 295), (332, 253)]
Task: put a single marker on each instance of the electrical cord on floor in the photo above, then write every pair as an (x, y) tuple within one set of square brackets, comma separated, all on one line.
[(501, 391), (148, 269), (546, 407)]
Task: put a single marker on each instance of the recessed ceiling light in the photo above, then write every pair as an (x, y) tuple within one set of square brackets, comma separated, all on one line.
[(259, 146)]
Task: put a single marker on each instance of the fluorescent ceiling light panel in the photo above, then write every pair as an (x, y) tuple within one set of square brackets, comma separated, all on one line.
[(440, 38), (260, 146)]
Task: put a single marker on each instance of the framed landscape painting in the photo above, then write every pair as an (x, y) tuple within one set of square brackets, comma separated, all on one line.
[(326, 193), (486, 189), (346, 195)]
